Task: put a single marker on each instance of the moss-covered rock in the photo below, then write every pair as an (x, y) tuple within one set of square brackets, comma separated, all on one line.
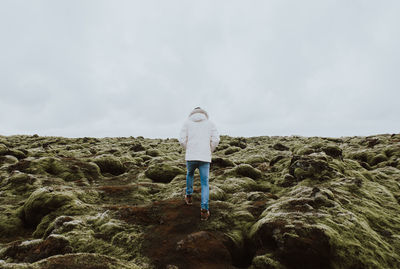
[(378, 159), (280, 147), (42, 202), (333, 151), (90, 169), (239, 142), (77, 260), (3, 149), (137, 147), (266, 262), (255, 160), (238, 184), (109, 165), (221, 146), (163, 172), (19, 154), (38, 249), (221, 162), (231, 150), (302, 167), (10, 223), (286, 181), (248, 171), (67, 169), (21, 182), (153, 152), (8, 159)]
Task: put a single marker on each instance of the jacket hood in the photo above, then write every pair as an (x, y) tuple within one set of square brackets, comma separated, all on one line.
[(197, 117), (201, 113)]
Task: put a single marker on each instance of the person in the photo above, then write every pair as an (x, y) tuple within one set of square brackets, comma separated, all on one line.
[(199, 137)]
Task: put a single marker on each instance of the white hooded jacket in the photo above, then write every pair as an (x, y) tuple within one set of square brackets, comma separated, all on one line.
[(199, 136)]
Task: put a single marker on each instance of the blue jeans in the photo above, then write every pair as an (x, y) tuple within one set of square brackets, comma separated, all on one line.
[(204, 169)]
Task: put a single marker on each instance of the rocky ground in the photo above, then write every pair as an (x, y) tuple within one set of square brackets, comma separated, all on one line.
[(276, 202)]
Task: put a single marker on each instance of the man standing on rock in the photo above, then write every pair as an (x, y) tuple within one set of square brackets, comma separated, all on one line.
[(199, 137)]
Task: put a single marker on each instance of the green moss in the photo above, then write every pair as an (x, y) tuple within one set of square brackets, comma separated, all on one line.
[(333, 151), (3, 149), (231, 150), (217, 193), (255, 160), (69, 170), (306, 150), (153, 152), (378, 159), (19, 154), (10, 223), (163, 172), (45, 204), (286, 181), (238, 142), (137, 146), (84, 261), (109, 165), (19, 183), (234, 184), (280, 147), (8, 159), (313, 167), (266, 262), (221, 162), (248, 171)]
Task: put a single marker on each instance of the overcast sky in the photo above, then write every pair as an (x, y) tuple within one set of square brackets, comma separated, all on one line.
[(137, 68)]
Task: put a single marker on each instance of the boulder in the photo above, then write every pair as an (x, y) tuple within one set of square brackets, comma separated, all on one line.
[(266, 261), (68, 169), (8, 159), (280, 147), (239, 142), (153, 152), (378, 159), (293, 245), (110, 164), (3, 149), (238, 184), (333, 151), (286, 181), (276, 159), (90, 169), (20, 182), (10, 223), (19, 154), (84, 261), (231, 150), (163, 172), (248, 171), (255, 160), (42, 202), (37, 249), (137, 147), (302, 167), (221, 162)]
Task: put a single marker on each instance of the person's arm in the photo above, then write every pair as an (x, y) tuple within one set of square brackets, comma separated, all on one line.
[(183, 136), (214, 140)]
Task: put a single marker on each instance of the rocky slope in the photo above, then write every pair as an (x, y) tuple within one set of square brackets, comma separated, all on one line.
[(276, 202)]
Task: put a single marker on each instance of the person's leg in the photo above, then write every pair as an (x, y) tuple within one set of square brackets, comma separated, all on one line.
[(191, 166), (204, 169)]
